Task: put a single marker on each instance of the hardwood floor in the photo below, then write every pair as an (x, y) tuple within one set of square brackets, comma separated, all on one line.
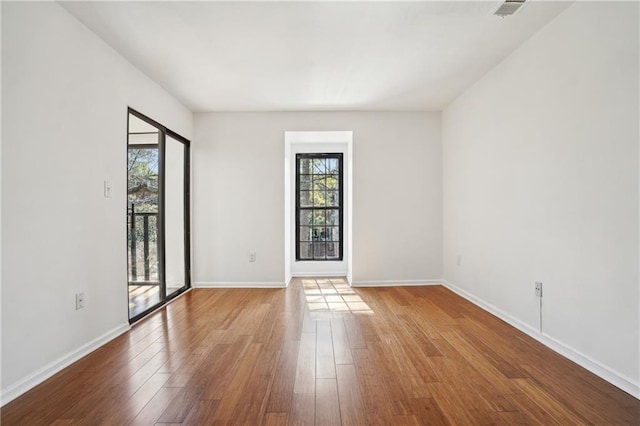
[(322, 353), (145, 296)]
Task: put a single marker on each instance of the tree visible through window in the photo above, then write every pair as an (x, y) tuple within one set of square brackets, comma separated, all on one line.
[(319, 207)]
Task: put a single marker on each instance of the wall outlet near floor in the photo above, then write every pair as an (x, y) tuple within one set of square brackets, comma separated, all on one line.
[(79, 301), (252, 256), (538, 288)]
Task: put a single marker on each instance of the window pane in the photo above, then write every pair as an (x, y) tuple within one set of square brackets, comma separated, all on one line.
[(305, 233), (319, 166), (332, 182), (306, 250), (304, 167), (333, 217), (305, 199), (319, 233), (318, 251), (333, 251), (333, 198), (333, 233), (319, 198), (332, 165), (306, 217), (319, 182), (318, 217), (305, 182)]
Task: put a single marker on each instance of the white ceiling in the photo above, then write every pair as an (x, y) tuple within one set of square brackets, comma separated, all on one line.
[(267, 56)]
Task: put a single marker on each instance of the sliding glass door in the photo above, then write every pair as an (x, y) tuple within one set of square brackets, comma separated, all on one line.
[(157, 214), (175, 220)]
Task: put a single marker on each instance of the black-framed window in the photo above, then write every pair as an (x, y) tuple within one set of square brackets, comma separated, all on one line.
[(319, 207)]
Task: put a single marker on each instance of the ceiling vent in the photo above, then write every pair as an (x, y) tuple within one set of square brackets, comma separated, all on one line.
[(508, 8)]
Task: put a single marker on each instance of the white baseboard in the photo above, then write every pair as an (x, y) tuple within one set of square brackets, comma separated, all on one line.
[(39, 376), (597, 368), (395, 283), (318, 274), (240, 284)]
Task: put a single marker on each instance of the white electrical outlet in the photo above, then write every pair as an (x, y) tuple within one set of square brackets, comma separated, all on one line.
[(538, 288), (79, 301), (252, 256)]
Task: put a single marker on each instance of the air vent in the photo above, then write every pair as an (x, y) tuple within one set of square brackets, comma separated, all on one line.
[(509, 7)]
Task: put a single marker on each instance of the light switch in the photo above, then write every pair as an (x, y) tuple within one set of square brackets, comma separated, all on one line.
[(107, 189)]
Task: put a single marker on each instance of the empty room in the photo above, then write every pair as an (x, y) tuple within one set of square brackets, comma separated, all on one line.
[(320, 212)]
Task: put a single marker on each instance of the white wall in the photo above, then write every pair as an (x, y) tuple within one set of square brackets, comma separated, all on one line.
[(238, 195), (64, 112), (540, 163)]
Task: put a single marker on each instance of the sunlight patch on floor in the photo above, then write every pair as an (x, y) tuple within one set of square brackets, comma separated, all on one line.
[(333, 295)]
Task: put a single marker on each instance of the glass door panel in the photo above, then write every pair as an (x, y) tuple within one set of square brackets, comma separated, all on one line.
[(143, 250), (174, 214), (157, 214)]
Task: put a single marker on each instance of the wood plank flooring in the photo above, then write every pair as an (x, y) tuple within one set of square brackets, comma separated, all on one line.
[(144, 296), (322, 353)]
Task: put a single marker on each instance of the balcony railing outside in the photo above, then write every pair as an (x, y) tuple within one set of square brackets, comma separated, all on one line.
[(143, 247)]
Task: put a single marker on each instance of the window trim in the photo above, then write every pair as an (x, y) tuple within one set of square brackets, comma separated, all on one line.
[(333, 155)]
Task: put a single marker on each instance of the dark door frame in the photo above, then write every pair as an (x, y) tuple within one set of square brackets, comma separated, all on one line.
[(163, 132)]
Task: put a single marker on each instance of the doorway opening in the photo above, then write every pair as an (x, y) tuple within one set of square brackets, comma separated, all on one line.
[(158, 256)]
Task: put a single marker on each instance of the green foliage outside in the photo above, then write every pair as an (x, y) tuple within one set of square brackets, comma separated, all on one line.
[(142, 172), (142, 193)]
